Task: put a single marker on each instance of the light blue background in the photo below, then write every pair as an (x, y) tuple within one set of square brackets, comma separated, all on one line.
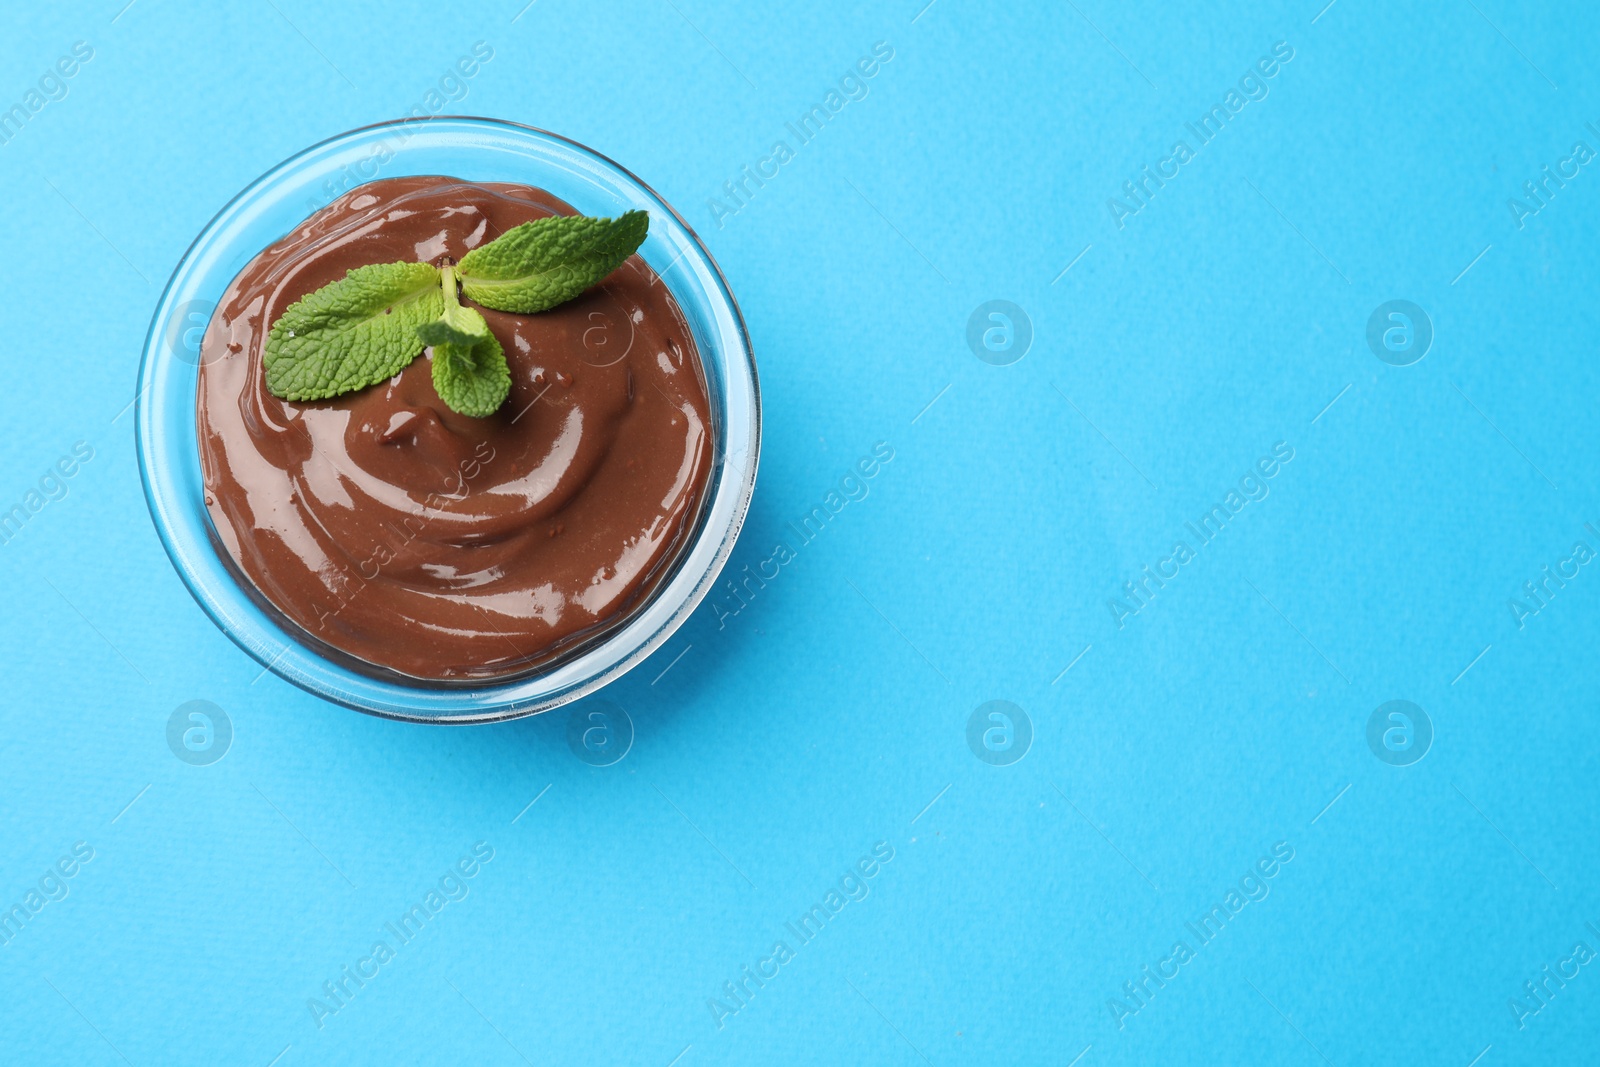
[(825, 717)]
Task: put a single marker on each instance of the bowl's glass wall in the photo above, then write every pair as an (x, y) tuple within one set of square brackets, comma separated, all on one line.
[(474, 150)]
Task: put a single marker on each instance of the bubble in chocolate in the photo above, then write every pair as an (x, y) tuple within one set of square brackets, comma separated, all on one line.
[(599, 732)]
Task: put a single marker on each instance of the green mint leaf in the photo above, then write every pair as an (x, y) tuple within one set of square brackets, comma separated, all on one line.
[(352, 333), (549, 261), (471, 377)]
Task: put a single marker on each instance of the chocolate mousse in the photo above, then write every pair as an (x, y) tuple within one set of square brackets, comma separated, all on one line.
[(408, 540)]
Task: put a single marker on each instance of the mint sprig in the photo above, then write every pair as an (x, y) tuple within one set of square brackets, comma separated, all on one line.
[(369, 325)]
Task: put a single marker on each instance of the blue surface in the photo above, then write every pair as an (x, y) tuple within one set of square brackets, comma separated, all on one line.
[(775, 748)]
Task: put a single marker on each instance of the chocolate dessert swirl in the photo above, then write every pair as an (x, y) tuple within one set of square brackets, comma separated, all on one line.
[(433, 546)]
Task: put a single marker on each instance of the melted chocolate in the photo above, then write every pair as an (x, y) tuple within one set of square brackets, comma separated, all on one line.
[(388, 527)]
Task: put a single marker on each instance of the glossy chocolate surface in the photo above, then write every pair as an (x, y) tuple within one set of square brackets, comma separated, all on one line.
[(428, 543)]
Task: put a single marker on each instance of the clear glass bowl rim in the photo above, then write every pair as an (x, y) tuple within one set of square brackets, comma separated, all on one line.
[(184, 526)]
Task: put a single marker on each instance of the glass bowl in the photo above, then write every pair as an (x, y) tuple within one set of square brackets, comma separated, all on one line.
[(473, 149)]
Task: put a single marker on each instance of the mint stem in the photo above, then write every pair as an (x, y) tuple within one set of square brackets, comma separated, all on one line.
[(447, 279)]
